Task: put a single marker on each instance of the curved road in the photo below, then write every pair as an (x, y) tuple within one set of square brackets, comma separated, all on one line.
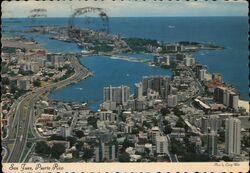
[(24, 110)]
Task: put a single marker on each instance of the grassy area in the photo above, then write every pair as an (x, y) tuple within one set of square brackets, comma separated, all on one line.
[(25, 111), (44, 97), (10, 146), (25, 152), (30, 135), (44, 84)]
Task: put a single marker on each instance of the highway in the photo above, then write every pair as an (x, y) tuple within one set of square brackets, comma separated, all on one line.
[(24, 111)]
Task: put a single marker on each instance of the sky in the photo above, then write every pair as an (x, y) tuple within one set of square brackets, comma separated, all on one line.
[(129, 8)]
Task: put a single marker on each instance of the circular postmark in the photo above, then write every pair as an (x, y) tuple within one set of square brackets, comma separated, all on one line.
[(75, 32), (36, 15)]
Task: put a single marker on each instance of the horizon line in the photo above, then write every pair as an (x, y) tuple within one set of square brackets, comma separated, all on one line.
[(114, 17)]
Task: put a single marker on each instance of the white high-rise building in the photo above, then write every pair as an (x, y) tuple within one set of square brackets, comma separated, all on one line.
[(203, 74), (172, 100), (120, 94), (189, 61), (232, 136), (138, 90), (161, 145), (155, 134)]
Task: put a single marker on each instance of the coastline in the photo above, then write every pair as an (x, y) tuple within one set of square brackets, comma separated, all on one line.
[(244, 104)]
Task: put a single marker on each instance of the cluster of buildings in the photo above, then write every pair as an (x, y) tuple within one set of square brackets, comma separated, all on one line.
[(25, 68), (132, 126), (85, 38)]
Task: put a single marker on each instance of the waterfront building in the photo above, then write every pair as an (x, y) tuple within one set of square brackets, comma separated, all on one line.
[(202, 74), (180, 56), (105, 152), (119, 95), (56, 59), (155, 131), (217, 77), (159, 84), (208, 77), (189, 61), (162, 145), (198, 67), (138, 90), (232, 136), (174, 48), (162, 60), (234, 100), (172, 100), (227, 97), (212, 143)]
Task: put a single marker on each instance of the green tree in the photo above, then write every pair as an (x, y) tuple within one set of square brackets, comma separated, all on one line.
[(37, 83), (57, 150), (42, 147), (165, 111), (92, 121), (124, 157), (127, 144), (79, 133), (56, 137), (72, 140), (168, 129), (180, 123), (177, 147), (88, 153), (5, 81)]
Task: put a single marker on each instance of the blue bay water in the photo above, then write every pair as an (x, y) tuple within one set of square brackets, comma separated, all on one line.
[(229, 32), (107, 72)]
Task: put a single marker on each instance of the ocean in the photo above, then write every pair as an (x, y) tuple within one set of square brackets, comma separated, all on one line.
[(229, 32)]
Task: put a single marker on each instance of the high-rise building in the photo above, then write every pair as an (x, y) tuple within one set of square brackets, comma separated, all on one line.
[(189, 61), (198, 67), (204, 124), (233, 100), (105, 152), (172, 100), (120, 94), (138, 90), (162, 145), (108, 116), (232, 136), (202, 74), (159, 84), (212, 143), (155, 134), (227, 97)]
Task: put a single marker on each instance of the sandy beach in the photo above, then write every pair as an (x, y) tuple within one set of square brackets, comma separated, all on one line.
[(244, 104)]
